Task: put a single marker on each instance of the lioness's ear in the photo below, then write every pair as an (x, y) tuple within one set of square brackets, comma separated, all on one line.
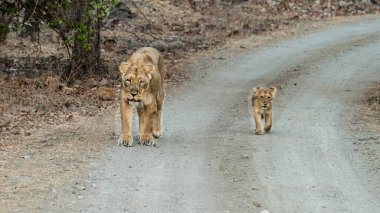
[(273, 90), (149, 67), (123, 68), (147, 59)]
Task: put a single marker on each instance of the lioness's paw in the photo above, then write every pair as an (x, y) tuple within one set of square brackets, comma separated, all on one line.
[(156, 134), (267, 129), (125, 142), (148, 142), (259, 131)]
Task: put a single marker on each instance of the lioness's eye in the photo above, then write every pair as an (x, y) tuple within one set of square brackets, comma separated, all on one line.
[(261, 96), (141, 82)]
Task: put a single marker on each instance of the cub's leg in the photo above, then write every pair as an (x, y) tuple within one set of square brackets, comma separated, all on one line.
[(268, 120), (140, 112), (146, 138), (157, 120), (257, 115), (126, 134)]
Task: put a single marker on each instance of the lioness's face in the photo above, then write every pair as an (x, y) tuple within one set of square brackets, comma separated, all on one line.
[(135, 86), (265, 96)]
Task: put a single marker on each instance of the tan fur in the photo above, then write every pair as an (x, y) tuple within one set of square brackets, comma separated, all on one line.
[(262, 107), (142, 87)]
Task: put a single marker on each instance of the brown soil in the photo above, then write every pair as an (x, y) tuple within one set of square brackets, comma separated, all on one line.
[(367, 120), (373, 103)]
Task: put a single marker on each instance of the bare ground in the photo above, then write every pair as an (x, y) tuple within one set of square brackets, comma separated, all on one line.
[(46, 156)]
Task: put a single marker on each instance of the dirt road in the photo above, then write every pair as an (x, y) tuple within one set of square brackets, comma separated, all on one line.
[(209, 160)]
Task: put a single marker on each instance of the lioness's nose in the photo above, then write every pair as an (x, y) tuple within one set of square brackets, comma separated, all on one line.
[(133, 91)]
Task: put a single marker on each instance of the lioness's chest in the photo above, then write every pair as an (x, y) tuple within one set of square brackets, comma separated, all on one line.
[(136, 104)]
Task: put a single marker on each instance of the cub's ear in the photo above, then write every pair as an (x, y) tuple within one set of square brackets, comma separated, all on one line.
[(273, 91), (123, 68), (255, 91)]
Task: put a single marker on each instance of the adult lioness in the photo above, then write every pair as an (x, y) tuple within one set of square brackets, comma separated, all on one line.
[(262, 107), (142, 86)]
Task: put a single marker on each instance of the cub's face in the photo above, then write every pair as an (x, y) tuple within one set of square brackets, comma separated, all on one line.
[(135, 86), (264, 96)]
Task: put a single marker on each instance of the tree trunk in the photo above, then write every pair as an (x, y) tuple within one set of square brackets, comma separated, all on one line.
[(4, 30), (32, 27), (85, 60), (5, 20)]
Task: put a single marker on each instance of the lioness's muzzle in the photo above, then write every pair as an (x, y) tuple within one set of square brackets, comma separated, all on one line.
[(133, 100)]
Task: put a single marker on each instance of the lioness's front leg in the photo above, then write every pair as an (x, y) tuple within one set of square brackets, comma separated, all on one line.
[(126, 131), (157, 120), (268, 120), (157, 124), (140, 112), (259, 129), (146, 138)]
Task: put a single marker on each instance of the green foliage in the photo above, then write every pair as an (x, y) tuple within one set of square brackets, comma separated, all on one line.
[(74, 26), (73, 20), (77, 22), (7, 8), (7, 11)]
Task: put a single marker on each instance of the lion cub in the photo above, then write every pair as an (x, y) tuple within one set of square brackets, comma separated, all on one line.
[(262, 107)]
